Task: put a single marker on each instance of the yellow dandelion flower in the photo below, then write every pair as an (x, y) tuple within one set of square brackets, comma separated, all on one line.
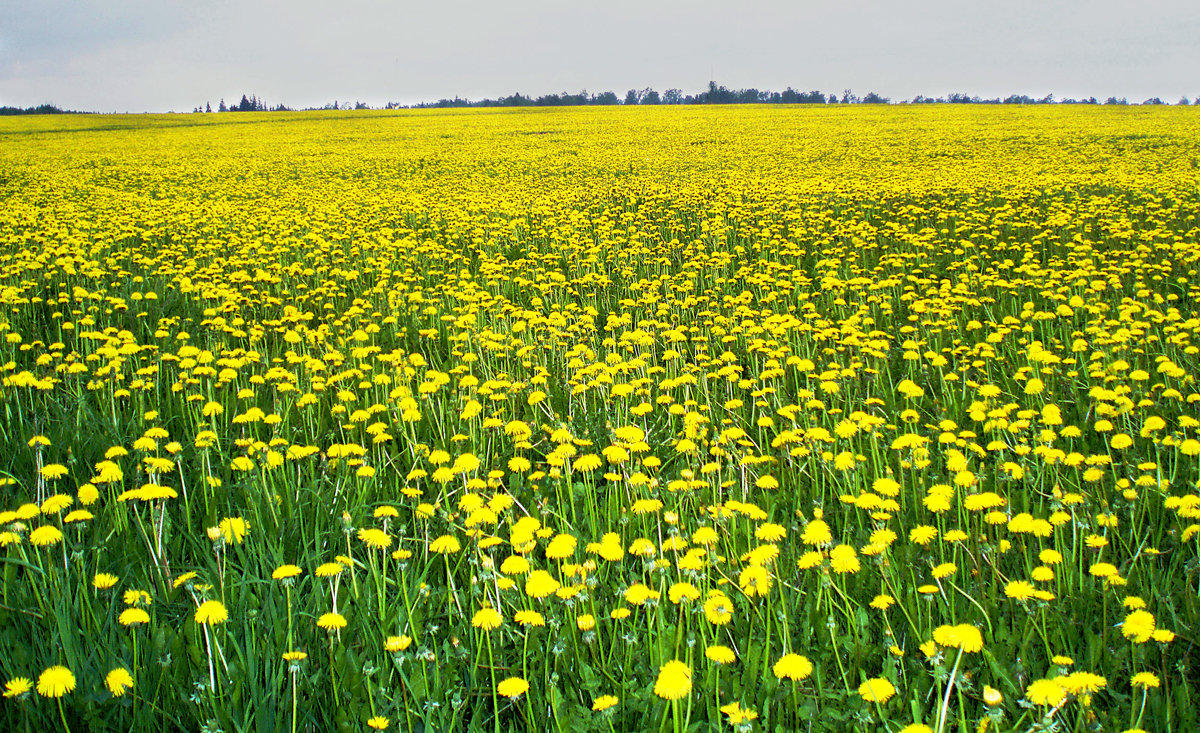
[(56, 681), (45, 536), (487, 619), (445, 545), (844, 559), (133, 616), (512, 687), (540, 584), (1138, 626), (816, 533), (737, 714), (529, 618), (674, 680), (877, 690), (1045, 692), (720, 654), (375, 538), (118, 681), (283, 572), (234, 529), (1145, 680), (17, 686), (211, 612), (792, 667), (1019, 590), (329, 569)]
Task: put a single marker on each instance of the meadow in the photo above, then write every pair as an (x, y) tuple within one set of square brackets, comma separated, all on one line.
[(681, 419)]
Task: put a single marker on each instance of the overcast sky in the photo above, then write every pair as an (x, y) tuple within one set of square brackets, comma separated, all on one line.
[(159, 55)]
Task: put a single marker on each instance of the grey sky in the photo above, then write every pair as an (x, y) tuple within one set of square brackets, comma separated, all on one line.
[(158, 55)]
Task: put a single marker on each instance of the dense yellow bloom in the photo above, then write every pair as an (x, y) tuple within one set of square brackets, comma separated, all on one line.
[(88, 494), (561, 547), (598, 367), (770, 532)]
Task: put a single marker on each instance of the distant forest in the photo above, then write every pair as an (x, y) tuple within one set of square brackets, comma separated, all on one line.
[(41, 109), (715, 94)]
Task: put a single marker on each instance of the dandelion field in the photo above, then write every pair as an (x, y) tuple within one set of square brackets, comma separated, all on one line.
[(678, 419)]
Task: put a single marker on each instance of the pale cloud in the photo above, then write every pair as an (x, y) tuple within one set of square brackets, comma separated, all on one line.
[(165, 54)]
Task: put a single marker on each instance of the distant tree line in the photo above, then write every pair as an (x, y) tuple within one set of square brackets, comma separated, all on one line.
[(714, 94), (719, 94), (248, 104), (1025, 99), (41, 109)]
